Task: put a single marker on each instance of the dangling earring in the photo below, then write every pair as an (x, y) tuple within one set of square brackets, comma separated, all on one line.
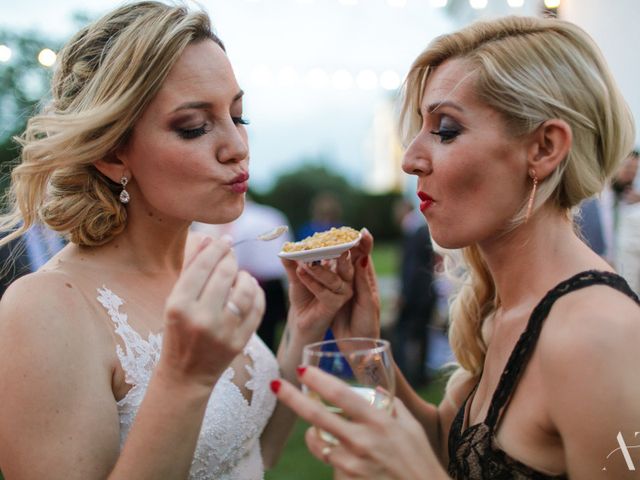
[(124, 195), (532, 174)]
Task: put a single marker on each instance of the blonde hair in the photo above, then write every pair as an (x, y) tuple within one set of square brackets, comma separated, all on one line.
[(529, 70), (107, 74)]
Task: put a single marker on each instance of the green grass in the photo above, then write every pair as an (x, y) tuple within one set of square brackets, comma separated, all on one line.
[(296, 461), (386, 258)]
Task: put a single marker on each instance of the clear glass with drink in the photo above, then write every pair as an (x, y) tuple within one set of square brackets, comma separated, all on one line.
[(365, 364)]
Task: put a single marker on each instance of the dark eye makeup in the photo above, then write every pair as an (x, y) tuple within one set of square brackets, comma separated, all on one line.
[(448, 129), (190, 133)]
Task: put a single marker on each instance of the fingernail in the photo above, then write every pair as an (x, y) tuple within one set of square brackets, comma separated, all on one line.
[(275, 385), (206, 241), (226, 238), (301, 370), (364, 262)]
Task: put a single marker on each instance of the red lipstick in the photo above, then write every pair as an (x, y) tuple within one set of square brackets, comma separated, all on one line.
[(426, 201)]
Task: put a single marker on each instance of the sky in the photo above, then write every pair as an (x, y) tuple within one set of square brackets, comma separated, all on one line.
[(286, 54)]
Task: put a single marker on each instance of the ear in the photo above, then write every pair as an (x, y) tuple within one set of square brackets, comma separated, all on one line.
[(550, 145), (113, 167)]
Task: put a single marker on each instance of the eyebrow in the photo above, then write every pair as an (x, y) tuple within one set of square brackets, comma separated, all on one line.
[(205, 105), (445, 103)]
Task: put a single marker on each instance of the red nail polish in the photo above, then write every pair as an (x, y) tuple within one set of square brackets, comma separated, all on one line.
[(275, 385), (364, 261), (301, 370)]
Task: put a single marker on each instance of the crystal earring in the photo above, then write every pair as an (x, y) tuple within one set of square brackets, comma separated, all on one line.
[(124, 195), (532, 174)]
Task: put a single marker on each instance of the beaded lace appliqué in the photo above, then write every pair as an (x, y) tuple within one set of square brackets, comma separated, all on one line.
[(228, 446)]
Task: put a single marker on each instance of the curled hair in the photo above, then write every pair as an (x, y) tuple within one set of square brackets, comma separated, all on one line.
[(530, 70), (106, 76)]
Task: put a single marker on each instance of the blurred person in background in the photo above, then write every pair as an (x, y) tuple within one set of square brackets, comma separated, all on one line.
[(260, 259), (132, 353), (416, 299), (627, 221), (510, 124), (325, 211), (27, 254), (595, 223)]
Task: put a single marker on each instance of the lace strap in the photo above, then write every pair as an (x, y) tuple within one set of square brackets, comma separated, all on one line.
[(139, 355), (526, 343)]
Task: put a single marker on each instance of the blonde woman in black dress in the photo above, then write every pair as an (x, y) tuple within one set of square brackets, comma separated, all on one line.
[(511, 124)]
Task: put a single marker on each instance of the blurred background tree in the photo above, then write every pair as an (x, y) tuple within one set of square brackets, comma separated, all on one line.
[(24, 84), (294, 190)]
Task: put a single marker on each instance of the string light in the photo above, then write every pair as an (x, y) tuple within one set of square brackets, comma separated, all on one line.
[(515, 3), (318, 78), (438, 3), (5, 53), (552, 3), (47, 57), (478, 4)]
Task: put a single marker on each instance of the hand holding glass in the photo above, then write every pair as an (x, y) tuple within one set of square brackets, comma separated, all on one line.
[(363, 363)]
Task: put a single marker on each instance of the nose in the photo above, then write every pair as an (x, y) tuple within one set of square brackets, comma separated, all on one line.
[(416, 160), (234, 145)]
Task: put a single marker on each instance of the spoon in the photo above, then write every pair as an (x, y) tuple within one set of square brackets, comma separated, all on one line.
[(266, 236)]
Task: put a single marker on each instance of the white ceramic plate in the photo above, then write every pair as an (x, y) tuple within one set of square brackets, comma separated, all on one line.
[(322, 253)]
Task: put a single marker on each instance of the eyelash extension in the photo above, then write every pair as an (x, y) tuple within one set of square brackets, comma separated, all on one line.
[(446, 135)]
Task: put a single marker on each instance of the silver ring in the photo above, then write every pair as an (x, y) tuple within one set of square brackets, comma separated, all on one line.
[(233, 308), (326, 451)]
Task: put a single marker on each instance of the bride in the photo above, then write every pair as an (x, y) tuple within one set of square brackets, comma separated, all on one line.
[(132, 353)]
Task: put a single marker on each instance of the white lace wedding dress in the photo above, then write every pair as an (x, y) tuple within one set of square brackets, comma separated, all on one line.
[(229, 443)]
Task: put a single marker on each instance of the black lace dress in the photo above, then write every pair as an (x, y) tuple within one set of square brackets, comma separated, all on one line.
[(474, 453)]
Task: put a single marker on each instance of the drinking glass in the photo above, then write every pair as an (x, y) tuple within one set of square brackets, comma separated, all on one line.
[(363, 363)]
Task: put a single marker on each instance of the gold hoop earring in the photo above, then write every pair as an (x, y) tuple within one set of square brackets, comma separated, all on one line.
[(124, 195), (534, 177)]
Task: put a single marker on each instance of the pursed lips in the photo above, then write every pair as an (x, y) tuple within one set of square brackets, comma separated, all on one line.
[(239, 184), (425, 201), (241, 177)]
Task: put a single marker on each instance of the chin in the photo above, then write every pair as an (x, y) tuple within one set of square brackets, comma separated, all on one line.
[(450, 242), (224, 214)]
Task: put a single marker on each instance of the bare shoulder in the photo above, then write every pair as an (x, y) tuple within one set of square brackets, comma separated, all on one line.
[(589, 343), (46, 302), (56, 379), (42, 291), (593, 321)]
